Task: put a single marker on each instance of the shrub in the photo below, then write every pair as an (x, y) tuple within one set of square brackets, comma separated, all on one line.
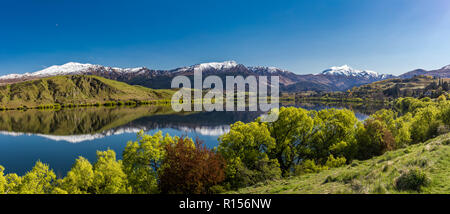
[(308, 166), (263, 171), (109, 103), (130, 103), (413, 179), (335, 162), (56, 106)]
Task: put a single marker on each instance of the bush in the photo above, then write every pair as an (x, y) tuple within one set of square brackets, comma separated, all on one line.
[(264, 170), (130, 103), (109, 103), (308, 166), (413, 179), (335, 162)]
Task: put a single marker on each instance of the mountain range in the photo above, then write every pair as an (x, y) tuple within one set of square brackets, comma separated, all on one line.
[(443, 72), (337, 78)]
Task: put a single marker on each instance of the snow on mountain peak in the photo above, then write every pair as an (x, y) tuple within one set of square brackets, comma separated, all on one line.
[(446, 67), (68, 68), (217, 65), (346, 70)]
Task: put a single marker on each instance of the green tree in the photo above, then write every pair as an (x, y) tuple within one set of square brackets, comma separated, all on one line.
[(109, 177), (400, 128), (3, 182), (333, 133), (373, 139), (142, 160), (291, 132), (38, 181), (80, 178), (13, 182), (424, 123), (243, 147)]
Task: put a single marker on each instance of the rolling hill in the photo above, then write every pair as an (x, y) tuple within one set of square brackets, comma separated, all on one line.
[(416, 86), (443, 72), (75, 89)]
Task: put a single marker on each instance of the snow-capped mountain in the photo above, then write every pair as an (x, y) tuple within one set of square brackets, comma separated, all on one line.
[(335, 78), (70, 68), (348, 71), (210, 66)]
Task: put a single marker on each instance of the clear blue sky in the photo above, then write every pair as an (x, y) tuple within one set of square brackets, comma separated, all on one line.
[(388, 36)]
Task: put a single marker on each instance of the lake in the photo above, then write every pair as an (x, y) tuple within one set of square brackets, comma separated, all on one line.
[(59, 137)]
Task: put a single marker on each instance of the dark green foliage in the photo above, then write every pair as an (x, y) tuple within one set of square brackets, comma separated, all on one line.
[(413, 179), (264, 170), (374, 139)]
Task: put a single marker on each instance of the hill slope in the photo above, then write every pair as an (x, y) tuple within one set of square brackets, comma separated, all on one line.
[(377, 175), (74, 89), (416, 86), (443, 72)]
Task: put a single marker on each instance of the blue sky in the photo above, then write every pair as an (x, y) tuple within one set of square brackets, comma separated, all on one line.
[(388, 36)]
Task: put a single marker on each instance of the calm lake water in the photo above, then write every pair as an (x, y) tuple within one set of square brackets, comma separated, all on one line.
[(59, 137)]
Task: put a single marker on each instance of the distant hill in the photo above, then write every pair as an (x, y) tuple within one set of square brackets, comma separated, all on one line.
[(74, 89), (443, 72), (333, 79), (417, 86)]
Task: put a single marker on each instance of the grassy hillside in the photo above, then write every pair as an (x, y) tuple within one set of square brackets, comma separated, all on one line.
[(377, 175), (416, 86), (385, 90), (76, 89)]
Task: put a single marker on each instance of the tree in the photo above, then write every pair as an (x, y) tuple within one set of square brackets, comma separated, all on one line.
[(243, 147), (142, 160), (38, 181), (2, 181), (190, 169), (13, 182), (333, 133), (291, 132), (408, 104), (423, 124), (442, 98), (109, 177), (79, 179), (400, 129), (374, 139)]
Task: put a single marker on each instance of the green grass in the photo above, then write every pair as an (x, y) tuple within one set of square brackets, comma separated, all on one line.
[(377, 175), (75, 90)]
